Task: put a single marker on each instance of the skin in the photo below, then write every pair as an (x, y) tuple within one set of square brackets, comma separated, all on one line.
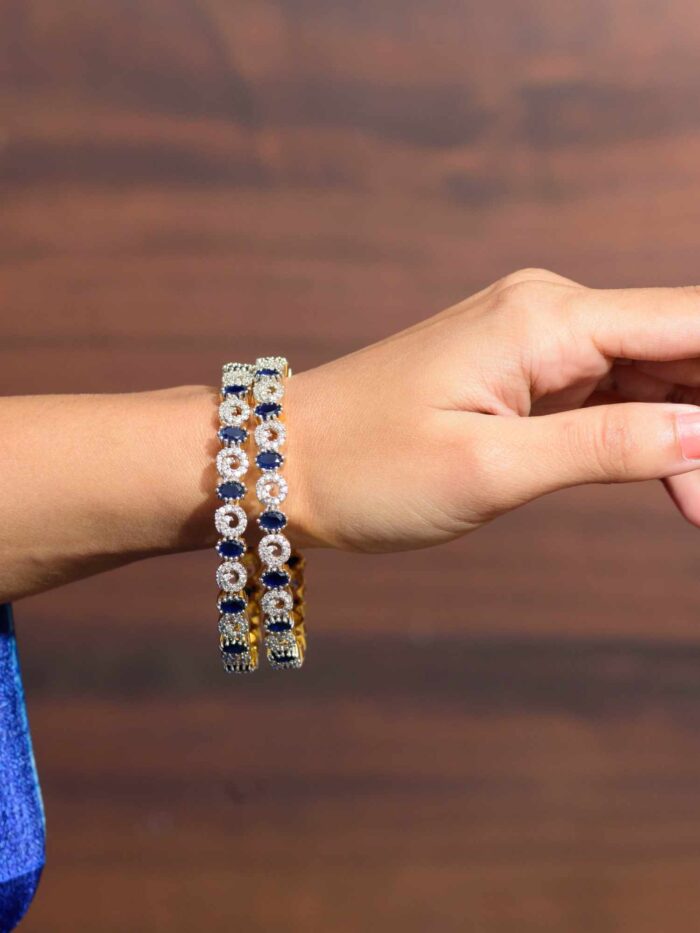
[(532, 385)]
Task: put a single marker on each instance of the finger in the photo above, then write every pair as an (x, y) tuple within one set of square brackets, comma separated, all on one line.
[(641, 323), (607, 444), (684, 490)]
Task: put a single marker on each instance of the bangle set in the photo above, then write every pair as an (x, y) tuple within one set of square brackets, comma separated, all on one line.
[(266, 585)]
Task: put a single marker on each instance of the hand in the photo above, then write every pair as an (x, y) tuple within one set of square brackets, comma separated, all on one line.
[(430, 433)]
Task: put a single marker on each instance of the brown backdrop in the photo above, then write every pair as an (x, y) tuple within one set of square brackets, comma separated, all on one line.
[(186, 181)]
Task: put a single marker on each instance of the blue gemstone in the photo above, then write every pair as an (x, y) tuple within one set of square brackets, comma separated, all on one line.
[(293, 561), (269, 460), (282, 658), (230, 548), (234, 648), (273, 579), (232, 605), (237, 435), (230, 490), (235, 390), (272, 520), (267, 410), (266, 372), (279, 625)]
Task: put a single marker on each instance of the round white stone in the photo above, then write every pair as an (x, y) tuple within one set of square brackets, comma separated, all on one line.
[(230, 520), (274, 550), (232, 463), (277, 601), (240, 374), (231, 576), (234, 412), (233, 627), (270, 435), (268, 389), (271, 488)]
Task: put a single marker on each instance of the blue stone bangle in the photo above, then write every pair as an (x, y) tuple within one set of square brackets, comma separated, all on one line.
[(281, 575), (238, 625)]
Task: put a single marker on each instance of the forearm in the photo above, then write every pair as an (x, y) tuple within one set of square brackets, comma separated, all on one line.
[(91, 482)]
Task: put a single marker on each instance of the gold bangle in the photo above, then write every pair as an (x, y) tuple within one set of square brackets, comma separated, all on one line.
[(281, 570)]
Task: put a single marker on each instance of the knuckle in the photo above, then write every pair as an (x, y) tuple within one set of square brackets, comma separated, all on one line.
[(523, 304), (524, 276)]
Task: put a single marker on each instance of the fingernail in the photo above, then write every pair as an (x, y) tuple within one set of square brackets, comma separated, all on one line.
[(689, 434)]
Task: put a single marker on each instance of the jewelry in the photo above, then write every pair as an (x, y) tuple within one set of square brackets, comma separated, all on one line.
[(239, 623), (282, 568)]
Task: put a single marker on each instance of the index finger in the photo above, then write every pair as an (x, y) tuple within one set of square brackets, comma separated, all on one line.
[(657, 324)]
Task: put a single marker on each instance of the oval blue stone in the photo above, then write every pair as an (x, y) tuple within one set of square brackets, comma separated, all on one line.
[(279, 625), (269, 460), (230, 490), (237, 435), (266, 372), (230, 548), (293, 561), (232, 605), (273, 579), (267, 410), (281, 658), (272, 520), (234, 648), (235, 390)]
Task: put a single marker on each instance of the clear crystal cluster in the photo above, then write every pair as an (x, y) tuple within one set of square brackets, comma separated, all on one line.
[(232, 462)]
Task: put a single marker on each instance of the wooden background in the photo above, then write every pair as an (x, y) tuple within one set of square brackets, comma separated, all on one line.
[(183, 182)]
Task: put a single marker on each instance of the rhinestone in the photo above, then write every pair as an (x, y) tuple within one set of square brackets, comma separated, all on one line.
[(274, 579), (269, 460), (234, 412), (277, 601), (270, 435), (276, 364), (268, 410), (233, 627), (237, 374), (274, 550), (279, 623), (235, 665), (272, 520), (232, 435), (233, 490), (234, 647), (231, 576), (271, 489), (230, 548), (236, 661), (230, 520), (268, 389), (231, 605), (232, 463)]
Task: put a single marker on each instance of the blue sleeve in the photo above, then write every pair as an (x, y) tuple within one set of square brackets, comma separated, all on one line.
[(22, 826)]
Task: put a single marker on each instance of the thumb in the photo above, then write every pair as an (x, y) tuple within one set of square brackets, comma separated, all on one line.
[(617, 443)]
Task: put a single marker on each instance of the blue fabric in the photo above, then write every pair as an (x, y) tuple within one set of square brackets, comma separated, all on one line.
[(22, 827)]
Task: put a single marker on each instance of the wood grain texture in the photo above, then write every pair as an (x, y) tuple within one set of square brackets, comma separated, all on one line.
[(307, 176)]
